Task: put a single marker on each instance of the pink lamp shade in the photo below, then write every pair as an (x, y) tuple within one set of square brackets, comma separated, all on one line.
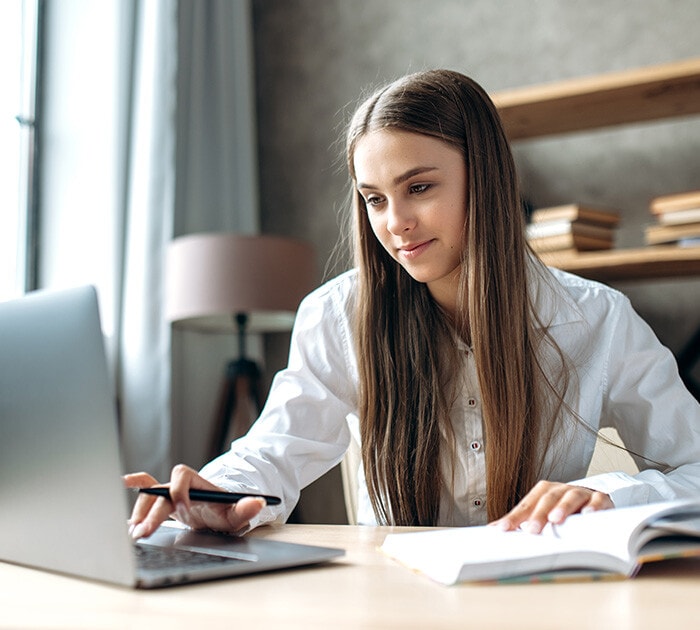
[(212, 277)]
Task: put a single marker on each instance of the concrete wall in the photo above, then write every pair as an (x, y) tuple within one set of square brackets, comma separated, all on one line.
[(315, 57)]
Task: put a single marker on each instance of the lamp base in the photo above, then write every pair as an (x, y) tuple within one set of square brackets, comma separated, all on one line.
[(239, 403)]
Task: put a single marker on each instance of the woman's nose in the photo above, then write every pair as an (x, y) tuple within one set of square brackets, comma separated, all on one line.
[(400, 218)]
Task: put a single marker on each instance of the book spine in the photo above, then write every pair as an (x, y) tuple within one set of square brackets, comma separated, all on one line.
[(576, 213), (568, 241), (657, 234), (673, 203)]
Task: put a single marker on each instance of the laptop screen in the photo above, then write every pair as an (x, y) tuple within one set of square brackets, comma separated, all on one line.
[(64, 507)]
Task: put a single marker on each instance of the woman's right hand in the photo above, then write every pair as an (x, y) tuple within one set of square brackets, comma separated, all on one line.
[(149, 511)]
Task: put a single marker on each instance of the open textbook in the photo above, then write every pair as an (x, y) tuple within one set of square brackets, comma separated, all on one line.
[(594, 545)]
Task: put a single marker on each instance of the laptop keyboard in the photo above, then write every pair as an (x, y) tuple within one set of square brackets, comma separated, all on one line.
[(154, 558)]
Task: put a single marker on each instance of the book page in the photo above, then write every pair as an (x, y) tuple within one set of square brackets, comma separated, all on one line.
[(488, 553), (598, 541)]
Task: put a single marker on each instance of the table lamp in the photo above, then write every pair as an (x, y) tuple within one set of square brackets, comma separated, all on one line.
[(231, 283)]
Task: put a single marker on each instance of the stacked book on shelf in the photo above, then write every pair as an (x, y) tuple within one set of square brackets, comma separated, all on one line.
[(677, 220), (572, 228)]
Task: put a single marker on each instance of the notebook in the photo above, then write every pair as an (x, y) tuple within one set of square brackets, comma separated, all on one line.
[(64, 508)]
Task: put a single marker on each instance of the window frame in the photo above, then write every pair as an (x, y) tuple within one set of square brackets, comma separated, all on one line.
[(22, 275)]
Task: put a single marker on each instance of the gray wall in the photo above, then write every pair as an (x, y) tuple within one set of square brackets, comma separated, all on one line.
[(315, 57)]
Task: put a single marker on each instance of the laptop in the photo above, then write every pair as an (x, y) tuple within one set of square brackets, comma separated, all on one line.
[(64, 507)]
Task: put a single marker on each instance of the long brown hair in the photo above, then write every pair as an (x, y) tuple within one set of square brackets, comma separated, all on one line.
[(406, 345)]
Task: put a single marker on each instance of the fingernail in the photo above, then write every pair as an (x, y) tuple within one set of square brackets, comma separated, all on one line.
[(138, 531), (556, 515), (587, 510), (533, 527)]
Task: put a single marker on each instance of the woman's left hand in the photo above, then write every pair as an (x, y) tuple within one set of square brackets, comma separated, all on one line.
[(552, 502)]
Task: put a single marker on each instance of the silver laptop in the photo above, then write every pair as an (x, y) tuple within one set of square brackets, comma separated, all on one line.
[(63, 504)]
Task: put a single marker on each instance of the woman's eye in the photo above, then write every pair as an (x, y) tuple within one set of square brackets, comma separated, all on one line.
[(373, 201), (419, 188)]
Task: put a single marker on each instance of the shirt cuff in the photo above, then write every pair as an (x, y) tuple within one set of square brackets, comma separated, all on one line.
[(623, 489), (267, 516)]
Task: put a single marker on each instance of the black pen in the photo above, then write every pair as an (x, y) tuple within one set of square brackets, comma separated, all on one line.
[(213, 496)]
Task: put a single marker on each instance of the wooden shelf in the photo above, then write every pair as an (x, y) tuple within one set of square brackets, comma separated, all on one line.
[(653, 93), (629, 264)]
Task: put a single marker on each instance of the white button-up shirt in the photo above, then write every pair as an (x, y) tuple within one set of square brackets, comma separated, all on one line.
[(624, 378)]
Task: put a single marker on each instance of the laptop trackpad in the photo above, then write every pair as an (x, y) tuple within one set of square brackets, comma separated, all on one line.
[(175, 536)]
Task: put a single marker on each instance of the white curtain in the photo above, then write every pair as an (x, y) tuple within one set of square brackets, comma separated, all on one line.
[(143, 336), (216, 155), (217, 190), (148, 133)]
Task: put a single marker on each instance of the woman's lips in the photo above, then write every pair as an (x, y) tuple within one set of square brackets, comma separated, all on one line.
[(413, 250)]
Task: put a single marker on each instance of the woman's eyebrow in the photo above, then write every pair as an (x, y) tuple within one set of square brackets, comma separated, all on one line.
[(400, 179)]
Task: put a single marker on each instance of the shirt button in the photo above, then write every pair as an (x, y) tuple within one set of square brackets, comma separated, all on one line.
[(477, 502), (471, 401), (475, 446)]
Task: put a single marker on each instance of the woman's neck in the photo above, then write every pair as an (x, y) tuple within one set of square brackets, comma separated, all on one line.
[(444, 292)]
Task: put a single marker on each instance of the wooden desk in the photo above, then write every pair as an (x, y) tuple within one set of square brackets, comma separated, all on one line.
[(362, 590)]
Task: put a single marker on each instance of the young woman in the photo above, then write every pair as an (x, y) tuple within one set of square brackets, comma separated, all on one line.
[(474, 378)]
